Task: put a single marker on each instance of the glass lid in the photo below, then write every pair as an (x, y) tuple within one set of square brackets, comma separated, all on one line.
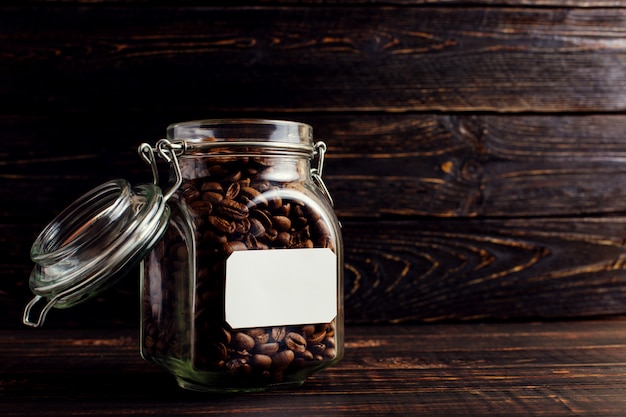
[(94, 241)]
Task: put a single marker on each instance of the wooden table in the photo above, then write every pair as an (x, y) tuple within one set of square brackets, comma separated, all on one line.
[(513, 369)]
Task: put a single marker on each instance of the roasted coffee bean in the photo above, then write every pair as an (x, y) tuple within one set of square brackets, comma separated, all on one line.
[(233, 246), (233, 191), (281, 223), (191, 194), (278, 334), (307, 354), (270, 235), (222, 224), (212, 197), (308, 330), (201, 208), (242, 227), (231, 209), (316, 337), (283, 239), (274, 201), (295, 342), (213, 186), (317, 348), (261, 185), (283, 210), (256, 227), (264, 217), (261, 361), (267, 348), (259, 335), (234, 176), (242, 342), (239, 365), (330, 353), (282, 359), (252, 196), (244, 182)]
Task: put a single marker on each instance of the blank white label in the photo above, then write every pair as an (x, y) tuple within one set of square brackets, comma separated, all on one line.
[(281, 287)]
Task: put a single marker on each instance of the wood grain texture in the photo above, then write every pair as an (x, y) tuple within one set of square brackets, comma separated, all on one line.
[(378, 166), (446, 217), (484, 269), (419, 270), (250, 3), (560, 368), (476, 149), (312, 59)]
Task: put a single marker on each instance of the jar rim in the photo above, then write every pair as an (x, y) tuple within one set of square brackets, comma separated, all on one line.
[(241, 121), (241, 130)]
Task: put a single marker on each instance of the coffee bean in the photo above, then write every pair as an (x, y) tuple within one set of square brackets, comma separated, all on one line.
[(232, 209), (295, 342), (281, 223), (278, 333), (267, 348), (252, 196), (222, 225), (212, 197), (282, 359), (233, 191), (330, 353), (256, 227), (201, 208), (212, 186), (242, 342), (261, 361), (316, 337), (260, 335)]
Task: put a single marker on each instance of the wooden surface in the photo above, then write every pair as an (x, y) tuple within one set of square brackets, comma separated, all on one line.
[(125, 57), (476, 149), (559, 368)]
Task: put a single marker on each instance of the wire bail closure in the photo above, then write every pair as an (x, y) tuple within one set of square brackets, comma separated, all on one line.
[(167, 151), (316, 173)]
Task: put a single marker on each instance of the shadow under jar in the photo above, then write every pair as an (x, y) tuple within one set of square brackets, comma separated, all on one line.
[(244, 291)]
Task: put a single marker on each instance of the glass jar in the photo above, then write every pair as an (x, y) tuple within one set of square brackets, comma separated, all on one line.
[(242, 288)]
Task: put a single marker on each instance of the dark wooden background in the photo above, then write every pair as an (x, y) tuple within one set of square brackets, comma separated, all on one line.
[(477, 150)]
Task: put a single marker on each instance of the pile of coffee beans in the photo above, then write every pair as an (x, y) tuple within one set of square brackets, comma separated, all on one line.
[(234, 204)]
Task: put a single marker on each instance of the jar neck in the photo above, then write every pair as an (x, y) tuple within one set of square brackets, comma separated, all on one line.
[(280, 169)]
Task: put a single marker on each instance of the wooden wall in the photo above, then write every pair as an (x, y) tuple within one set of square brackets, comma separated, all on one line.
[(477, 150)]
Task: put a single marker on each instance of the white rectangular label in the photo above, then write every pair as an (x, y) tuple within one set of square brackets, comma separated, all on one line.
[(281, 287)]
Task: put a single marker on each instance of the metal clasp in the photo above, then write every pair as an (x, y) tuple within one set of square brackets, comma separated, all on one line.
[(316, 173), (42, 313), (168, 152)]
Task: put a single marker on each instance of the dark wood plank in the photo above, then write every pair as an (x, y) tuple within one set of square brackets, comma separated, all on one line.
[(421, 270), (518, 3), (377, 165), (560, 368), (486, 216), (485, 269), (483, 165), (312, 58), (544, 194)]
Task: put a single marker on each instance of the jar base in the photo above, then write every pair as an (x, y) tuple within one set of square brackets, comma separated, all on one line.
[(194, 386)]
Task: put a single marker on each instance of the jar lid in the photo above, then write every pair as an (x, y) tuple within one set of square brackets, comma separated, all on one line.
[(93, 242)]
